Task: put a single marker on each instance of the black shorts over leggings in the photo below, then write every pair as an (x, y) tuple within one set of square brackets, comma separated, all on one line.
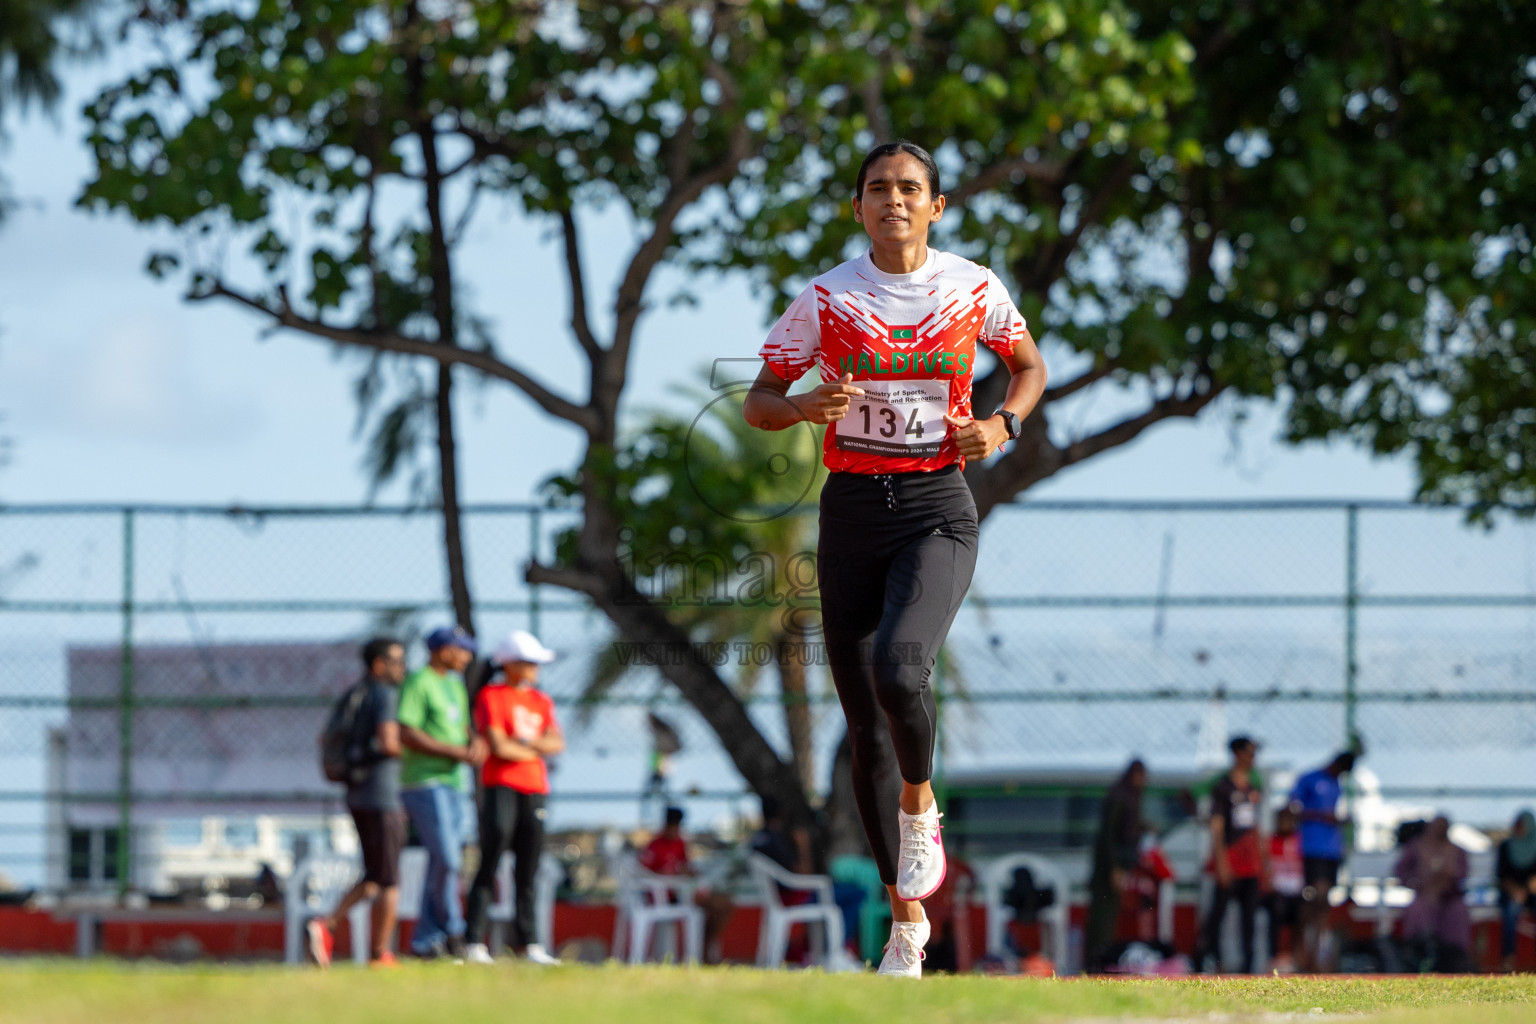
[(381, 836), (895, 558)]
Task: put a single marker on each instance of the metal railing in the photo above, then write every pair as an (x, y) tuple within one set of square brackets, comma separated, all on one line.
[(1094, 630)]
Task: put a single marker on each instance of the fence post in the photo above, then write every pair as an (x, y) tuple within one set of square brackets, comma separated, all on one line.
[(125, 717), (534, 532), (1351, 605)]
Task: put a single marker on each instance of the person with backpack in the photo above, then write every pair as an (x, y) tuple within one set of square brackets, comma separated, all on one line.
[(361, 744)]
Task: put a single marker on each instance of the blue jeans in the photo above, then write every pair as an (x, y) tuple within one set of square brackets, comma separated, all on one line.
[(441, 818), (1509, 920)]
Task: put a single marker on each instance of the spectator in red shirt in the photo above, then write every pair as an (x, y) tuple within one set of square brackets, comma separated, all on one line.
[(518, 723), (1287, 880), (667, 854)]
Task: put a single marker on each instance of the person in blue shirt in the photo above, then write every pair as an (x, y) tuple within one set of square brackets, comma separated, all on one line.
[(1315, 801)]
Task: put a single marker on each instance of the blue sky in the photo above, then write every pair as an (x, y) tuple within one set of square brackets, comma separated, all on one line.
[(114, 389)]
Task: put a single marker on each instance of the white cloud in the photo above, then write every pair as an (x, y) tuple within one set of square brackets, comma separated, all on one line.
[(131, 378)]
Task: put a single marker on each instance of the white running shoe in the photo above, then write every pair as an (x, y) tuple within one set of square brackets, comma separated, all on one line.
[(904, 953), (921, 864), (478, 953), (537, 954)]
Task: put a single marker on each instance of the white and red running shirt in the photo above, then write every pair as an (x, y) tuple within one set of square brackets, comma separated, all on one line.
[(910, 342)]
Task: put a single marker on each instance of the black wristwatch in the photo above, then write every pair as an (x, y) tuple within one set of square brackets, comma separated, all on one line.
[(1012, 422)]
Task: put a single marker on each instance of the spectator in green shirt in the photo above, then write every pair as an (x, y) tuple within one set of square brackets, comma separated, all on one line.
[(437, 740)]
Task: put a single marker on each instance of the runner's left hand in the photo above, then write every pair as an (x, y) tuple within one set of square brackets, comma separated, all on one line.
[(978, 438)]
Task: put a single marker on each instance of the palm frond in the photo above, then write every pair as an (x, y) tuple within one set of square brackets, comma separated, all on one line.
[(608, 670)]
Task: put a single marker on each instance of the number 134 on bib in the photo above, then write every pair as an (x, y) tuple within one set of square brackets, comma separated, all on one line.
[(896, 417)]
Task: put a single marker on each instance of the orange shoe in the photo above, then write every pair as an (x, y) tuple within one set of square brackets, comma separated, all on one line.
[(322, 942), (385, 960)]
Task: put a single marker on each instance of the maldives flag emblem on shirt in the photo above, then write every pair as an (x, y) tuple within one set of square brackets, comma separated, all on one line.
[(903, 333)]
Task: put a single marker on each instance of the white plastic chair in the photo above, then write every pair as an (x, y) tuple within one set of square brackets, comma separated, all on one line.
[(778, 919), (646, 900), (997, 879), (315, 887), (544, 885), (413, 878)]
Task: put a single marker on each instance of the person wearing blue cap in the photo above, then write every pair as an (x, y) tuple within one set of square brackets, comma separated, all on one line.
[(435, 735)]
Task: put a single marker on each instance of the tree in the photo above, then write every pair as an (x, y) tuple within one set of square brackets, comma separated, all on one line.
[(713, 527), (326, 106), (419, 416), (33, 35), (1336, 189), (1321, 203)]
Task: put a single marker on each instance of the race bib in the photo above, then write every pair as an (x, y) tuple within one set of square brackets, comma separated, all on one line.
[(896, 417)]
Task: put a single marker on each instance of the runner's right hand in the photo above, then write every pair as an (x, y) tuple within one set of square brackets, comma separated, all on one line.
[(829, 402)]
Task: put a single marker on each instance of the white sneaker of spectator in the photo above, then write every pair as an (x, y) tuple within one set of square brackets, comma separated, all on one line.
[(477, 953), (537, 954)]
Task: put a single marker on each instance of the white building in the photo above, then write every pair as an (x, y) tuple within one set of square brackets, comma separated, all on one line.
[(224, 768)]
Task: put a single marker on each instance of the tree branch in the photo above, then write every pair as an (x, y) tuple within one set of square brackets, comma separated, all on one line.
[(579, 321), (1049, 171), (586, 583), (463, 165), (875, 108), (683, 191), (489, 144), (1128, 430), (1215, 44), (388, 341), (641, 620), (1076, 384), (655, 246), (1035, 458), (375, 273), (461, 225)]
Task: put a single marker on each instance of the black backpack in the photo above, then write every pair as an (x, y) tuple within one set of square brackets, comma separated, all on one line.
[(343, 755)]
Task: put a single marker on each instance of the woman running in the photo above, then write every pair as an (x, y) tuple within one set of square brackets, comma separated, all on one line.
[(895, 336)]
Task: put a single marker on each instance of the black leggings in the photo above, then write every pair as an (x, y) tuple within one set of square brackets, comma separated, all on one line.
[(1246, 892), (509, 820), (894, 560), (1284, 912)]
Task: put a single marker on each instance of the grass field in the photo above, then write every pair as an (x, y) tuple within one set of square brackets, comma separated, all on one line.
[(61, 992)]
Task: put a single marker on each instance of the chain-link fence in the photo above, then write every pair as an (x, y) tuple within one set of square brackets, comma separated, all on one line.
[(164, 668)]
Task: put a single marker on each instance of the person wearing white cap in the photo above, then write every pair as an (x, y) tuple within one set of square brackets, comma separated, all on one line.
[(518, 723)]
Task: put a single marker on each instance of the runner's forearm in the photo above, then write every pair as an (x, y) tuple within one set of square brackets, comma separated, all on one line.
[(767, 408), (1025, 388)]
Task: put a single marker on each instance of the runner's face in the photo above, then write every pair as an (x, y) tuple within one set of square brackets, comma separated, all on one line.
[(897, 206)]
